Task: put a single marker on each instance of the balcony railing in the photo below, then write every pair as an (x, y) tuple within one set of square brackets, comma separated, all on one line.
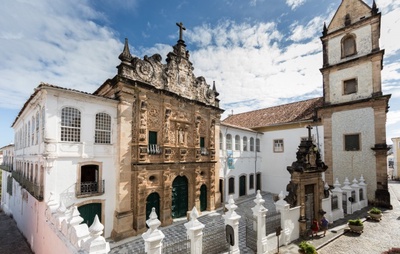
[(154, 149), (89, 188), (203, 151), (36, 190)]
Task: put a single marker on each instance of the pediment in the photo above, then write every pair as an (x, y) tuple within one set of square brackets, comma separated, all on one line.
[(355, 10)]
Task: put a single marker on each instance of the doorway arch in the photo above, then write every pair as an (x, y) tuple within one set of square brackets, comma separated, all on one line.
[(89, 211), (153, 200), (242, 185), (179, 197)]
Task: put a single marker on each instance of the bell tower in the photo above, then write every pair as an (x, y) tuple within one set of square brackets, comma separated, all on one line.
[(354, 111)]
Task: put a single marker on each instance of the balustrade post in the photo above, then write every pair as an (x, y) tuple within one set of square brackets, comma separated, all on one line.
[(232, 222), (153, 236), (195, 232), (283, 208), (260, 212)]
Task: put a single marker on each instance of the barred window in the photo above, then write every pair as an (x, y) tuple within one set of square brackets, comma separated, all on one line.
[(103, 129), (70, 125)]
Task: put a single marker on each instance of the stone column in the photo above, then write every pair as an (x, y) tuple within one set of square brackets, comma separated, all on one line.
[(260, 212), (232, 221), (153, 236), (195, 232)]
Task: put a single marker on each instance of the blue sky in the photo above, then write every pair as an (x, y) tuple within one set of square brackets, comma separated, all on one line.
[(260, 53)]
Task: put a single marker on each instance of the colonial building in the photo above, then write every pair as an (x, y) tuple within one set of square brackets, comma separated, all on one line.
[(349, 120), (240, 157), (167, 147)]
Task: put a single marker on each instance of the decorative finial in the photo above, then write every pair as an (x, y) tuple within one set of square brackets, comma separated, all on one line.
[(324, 30), (309, 127), (125, 56), (374, 8), (181, 28), (215, 89)]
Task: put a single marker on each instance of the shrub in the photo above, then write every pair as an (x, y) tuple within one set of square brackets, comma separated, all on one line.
[(375, 210), (307, 248), (356, 222)]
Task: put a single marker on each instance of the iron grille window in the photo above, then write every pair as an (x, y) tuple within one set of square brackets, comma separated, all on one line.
[(352, 142), (244, 143), (70, 125), (103, 129)]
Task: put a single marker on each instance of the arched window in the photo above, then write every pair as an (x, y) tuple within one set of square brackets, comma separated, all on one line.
[(349, 46), (37, 127), (43, 121), (237, 142), (29, 134), (251, 144), (103, 129), (244, 143), (70, 125), (258, 149), (228, 142), (33, 131)]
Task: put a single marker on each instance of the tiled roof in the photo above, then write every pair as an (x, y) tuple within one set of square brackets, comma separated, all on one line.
[(282, 114)]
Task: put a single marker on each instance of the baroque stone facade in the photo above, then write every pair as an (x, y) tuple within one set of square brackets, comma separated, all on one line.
[(167, 124)]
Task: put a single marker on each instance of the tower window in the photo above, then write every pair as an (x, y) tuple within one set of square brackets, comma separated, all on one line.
[(349, 46), (350, 86), (352, 142)]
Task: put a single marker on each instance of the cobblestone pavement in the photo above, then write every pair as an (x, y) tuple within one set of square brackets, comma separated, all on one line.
[(12, 241), (212, 222)]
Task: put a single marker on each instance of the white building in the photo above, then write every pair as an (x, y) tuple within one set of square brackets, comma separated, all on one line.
[(64, 145), (240, 160)]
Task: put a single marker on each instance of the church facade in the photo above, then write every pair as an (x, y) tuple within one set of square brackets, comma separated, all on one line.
[(167, 120)]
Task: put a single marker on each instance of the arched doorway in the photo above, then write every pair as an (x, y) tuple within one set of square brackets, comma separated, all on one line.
[(179, 197), (89, 211), (242, 185), (221, 189), (258, 181), (203, 197), (153, 200)]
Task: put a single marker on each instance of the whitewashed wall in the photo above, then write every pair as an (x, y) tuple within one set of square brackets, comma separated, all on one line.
[(275, 176), (352, 164)]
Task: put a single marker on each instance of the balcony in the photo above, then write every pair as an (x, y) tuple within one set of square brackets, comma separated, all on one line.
[(154, 149), (35, 189), (85, 189)]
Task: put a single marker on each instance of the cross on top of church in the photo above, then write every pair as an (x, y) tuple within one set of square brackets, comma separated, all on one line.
[(181, 28)]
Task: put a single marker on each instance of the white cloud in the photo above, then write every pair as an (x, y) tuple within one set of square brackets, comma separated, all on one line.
[(300, 32), (293, 4), (57, 43)]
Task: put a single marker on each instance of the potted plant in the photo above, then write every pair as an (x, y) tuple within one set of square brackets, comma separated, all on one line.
[(307, 248), (375, 213), (356, 225)]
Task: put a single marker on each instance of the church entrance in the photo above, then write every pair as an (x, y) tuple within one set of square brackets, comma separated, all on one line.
[(89, 211), (203, 197), (242, 186), (179, 197), (309, 205), (153, 200)]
